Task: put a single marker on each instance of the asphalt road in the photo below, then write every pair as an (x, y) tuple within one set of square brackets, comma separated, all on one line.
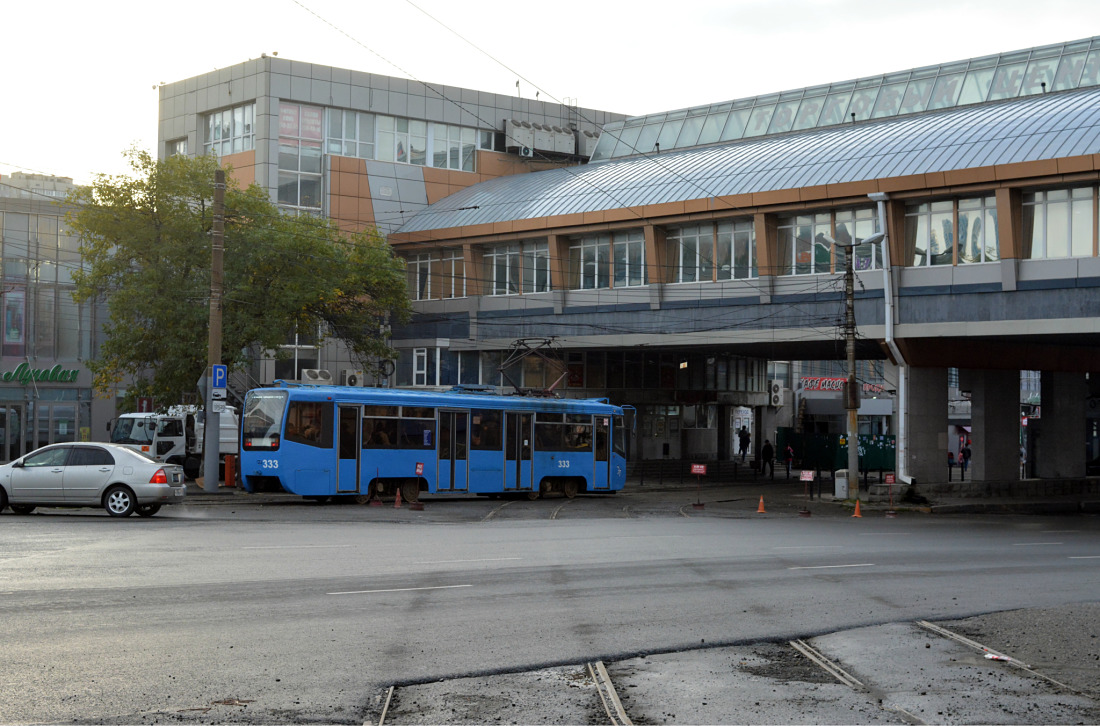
[(291, 612)]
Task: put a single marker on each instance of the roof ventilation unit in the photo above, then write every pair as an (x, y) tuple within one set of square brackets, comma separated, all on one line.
[(316, 375)]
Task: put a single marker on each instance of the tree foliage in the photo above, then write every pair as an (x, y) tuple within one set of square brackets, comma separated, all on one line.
[(146, 244)]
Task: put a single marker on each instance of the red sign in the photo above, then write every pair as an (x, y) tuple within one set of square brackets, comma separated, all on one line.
[(419, 468), (816, 383), (806, 475), (145, 404), (889, 478), (698, 468)]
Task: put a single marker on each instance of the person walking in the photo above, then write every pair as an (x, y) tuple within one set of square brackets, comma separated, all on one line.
[(767, 456), (743, 438), (964, 457)]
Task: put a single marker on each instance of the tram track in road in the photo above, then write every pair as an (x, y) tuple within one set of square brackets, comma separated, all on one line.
[(909, 672)]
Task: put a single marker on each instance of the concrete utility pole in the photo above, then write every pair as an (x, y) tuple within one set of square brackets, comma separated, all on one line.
[(851, 388), (851, 391), (212, 433)]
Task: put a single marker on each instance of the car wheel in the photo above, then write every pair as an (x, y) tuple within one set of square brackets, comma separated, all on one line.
[(119, 501), (3, 499), (147, 510), (22, 508)]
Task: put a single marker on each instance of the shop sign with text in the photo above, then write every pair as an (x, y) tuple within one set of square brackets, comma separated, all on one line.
[(24, 374)]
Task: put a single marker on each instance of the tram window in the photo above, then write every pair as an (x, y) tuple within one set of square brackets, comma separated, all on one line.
[(381, 411), (379, 433), (417, 412), (618, 436), (310, 423), (549, 436), (417, 434), (578, 436), (485, 428), (601, 441)]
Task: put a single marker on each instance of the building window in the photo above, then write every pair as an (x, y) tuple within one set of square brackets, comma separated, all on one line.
[(229, 131), (803, 247), (453, 278), (930, 234), (855, 225), (350, 133), (1058, 223), (590, 262), (536, 266), (978, 230), (300, 132), (419, 268), (420, 367), (519, 266), (175, 147), (502, 264), (691, 252), (736, 250), (628, 259), (453, 147)]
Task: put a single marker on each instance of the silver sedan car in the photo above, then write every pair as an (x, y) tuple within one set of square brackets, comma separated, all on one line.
[(90, 474)]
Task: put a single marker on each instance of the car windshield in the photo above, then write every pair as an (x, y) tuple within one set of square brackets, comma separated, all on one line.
[(130, 430)]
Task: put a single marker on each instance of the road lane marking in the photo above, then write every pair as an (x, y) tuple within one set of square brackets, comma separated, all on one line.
[(293, 547), (1085, 557), (1035, 544), (831, 567), (398, 589), (810, 547), (449, 562), (883, 534)]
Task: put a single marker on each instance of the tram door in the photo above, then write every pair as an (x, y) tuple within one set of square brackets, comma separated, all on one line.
[(348, 450), (601, 476), (454, 432), (517, 451)]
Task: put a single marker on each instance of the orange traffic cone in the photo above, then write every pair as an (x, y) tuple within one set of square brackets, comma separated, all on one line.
[(760, 509), (857, 514), (397, 500)]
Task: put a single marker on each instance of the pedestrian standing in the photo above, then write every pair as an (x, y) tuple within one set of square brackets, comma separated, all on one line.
[(964, 455), (767, 455)]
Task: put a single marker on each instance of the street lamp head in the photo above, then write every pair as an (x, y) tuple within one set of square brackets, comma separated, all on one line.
[(874, 239)]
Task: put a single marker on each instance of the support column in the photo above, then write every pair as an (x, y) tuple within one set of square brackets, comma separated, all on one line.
[(926, 421), (994, 423), (1060, 450)]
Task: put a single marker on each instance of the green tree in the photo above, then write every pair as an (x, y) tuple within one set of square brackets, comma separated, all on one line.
[(146, 244)]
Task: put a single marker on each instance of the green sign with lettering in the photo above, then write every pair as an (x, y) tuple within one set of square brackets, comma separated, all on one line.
[(24, 374)]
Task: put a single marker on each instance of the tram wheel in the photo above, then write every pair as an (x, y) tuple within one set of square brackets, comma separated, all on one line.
[(532, 495), (570, 489), (410, 490)]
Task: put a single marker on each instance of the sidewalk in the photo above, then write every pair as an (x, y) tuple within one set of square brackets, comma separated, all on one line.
[(781, 494)]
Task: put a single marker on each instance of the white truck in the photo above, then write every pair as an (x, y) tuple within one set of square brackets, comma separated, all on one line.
[(176, 437)]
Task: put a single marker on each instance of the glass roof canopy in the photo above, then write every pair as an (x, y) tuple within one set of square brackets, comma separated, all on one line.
[(1060, 67)]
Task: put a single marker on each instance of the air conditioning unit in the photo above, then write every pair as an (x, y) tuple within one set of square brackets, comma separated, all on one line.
[(526, 152), (351, 377), (316, 375), (775, 393)]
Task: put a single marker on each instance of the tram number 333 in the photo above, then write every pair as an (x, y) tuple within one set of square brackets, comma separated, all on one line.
[(269, 463), (563, 464)]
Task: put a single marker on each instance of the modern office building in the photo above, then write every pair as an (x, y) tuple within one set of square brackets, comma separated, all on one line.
[(45, 387), (678, 260)]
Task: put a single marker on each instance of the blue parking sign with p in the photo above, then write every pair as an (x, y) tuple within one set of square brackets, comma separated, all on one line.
[(219, 376)]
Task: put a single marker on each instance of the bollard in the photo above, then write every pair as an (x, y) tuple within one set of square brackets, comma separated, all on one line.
[(230, 471)]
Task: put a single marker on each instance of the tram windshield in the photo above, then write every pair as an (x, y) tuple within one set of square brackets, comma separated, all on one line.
[(263, 417)]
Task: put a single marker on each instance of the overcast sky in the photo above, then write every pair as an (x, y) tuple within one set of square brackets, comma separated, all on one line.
[(77, 86)]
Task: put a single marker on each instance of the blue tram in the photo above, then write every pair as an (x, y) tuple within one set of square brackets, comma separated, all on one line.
[(325, 441)]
